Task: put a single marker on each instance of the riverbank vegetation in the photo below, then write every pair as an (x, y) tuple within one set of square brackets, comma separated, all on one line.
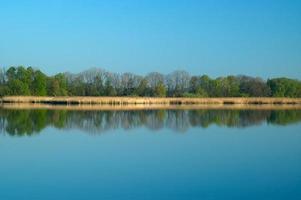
[(21, 81)]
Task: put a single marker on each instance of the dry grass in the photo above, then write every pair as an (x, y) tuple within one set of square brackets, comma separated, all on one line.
[(146, 101), (87, 107)]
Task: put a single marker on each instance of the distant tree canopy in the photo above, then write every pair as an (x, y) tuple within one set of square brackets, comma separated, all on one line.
[(97, 82)]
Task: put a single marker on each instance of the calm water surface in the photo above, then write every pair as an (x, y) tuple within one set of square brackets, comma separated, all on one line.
[(154, 154)]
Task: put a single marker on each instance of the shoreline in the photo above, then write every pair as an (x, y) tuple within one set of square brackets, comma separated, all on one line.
[(87, 107), (146, 103), (147, 100)]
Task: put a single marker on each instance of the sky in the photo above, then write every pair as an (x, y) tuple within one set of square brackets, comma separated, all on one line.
[(214, 37)]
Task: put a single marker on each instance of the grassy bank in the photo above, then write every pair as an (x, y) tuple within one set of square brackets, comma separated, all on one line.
[(145, 100), (87, 107)]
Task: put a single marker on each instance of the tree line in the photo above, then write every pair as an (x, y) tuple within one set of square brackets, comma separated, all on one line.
[(98, 82)]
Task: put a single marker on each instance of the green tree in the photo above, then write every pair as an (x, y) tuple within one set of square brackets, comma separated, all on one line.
[(17, 87), (76, 87), (53, 87), (11, 73), (18, 81), (200, 92), (24, 75), (225, 87), (207, 85), (142, 89), (284, 87), (109, 89), (253, 87), (160, 90), (39, 84)]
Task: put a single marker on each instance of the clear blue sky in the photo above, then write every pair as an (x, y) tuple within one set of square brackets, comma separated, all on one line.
[(214, 37)]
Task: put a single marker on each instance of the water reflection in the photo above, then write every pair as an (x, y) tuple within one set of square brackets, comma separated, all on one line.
[(29, 122)]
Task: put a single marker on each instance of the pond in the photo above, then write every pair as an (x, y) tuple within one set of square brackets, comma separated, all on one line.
[(150, 154)]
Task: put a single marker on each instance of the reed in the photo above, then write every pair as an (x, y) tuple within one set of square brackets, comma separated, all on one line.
[(128, 107), (145, 100)]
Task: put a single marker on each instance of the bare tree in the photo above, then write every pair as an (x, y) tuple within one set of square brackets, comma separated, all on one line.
[(154, 78)]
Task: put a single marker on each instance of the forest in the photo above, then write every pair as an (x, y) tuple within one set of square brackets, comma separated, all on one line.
[(98, 82)]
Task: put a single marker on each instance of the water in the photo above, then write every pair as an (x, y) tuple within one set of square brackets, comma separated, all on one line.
[(154, 154)]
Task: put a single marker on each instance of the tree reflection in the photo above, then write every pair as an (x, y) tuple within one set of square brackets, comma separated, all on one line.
[(29, 122)]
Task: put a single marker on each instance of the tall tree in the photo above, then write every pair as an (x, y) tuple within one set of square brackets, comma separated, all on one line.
[(39, 84), (284, 87), (160, 90)]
